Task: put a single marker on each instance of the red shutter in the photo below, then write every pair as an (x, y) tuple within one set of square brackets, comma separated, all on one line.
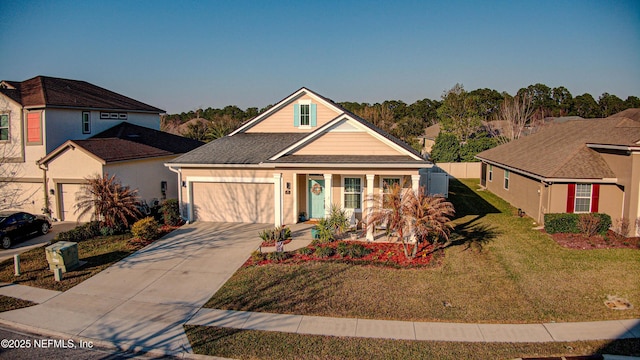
[(571, 197), (33, 128), (595, 197)]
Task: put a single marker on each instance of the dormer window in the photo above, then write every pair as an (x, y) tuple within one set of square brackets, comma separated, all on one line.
[(304, 114)]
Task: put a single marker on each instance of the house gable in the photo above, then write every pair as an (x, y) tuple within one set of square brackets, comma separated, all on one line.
[(285, 116), (347, 137)]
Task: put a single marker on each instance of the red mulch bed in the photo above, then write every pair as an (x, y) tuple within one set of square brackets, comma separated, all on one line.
[(273, 243), (387, 254), (583, 242)]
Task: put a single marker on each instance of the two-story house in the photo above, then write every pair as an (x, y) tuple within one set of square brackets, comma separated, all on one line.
[(55, 132)]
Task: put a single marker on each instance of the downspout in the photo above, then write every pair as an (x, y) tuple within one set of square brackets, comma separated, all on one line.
[(47, 204), (179, 172)]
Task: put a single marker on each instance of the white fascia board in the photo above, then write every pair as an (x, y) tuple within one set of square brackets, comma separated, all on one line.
[(195, 166), (281, 104), (354, 166), (551, 180)]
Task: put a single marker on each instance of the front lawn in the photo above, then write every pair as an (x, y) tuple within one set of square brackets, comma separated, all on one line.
[(498, 270), (99, 253), (253, 344)]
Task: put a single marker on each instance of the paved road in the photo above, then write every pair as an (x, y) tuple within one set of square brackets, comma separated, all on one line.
[(41, 240), (24, 346)]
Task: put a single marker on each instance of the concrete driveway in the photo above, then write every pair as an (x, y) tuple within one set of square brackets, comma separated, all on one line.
[(36, 241), (142, 301)]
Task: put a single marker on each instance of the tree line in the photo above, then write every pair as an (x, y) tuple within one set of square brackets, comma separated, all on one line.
[(458, 111)]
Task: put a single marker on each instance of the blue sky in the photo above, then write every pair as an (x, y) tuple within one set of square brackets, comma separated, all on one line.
[(182, 55)]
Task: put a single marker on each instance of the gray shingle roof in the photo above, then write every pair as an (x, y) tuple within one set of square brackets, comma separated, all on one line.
[(242, 148), (560, 150)]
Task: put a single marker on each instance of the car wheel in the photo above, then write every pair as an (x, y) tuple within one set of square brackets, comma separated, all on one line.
[(6, 242), (44, 229)]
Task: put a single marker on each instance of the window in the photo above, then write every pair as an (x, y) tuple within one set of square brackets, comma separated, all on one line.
[(304, 114), (4, 127), (86, 122), (583, 198), (352, 193), (506, 179), (389, 182), (490, 172), (34, 129)]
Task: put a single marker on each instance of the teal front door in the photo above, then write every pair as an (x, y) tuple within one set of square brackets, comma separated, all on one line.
[(316, 199)]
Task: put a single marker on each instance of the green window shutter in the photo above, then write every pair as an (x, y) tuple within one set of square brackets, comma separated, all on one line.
[(313, 115), (296, 115)]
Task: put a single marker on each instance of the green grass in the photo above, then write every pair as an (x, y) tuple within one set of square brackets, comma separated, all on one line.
[(10, 303), (498, 270), (99, 253), (253, 344)]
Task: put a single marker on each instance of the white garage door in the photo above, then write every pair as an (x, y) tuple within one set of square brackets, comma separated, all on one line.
[(67, 203), (233, 202)]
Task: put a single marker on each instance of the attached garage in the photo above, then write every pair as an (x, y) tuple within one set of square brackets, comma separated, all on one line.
[(67, 200), (233, 202)]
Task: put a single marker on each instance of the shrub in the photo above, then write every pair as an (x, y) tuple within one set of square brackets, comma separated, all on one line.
[(305, 251), (357, 251), (325, 232), (257, 256), (278, 256), (324, 252), (171, 212), (80, 233), (145, 229), (570, 223), (588, 224), (342, 249)]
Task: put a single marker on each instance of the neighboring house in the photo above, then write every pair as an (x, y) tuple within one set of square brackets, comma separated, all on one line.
[(576, 166), (302, 155), (134, 153), (429, 138), (39, 115)]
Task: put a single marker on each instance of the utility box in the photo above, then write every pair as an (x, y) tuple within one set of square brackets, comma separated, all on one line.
[(63, 255)]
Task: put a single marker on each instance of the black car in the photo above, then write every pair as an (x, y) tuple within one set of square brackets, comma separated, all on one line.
[(17, 225)]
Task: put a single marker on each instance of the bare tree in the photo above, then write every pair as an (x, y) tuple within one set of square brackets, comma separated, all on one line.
[(514, 119)]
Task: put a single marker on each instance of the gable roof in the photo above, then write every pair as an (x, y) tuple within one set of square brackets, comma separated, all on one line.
[(566, 150), (242, 147), (45, 91), (127, 141)]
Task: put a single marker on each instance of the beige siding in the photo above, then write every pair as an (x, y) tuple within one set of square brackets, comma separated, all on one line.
[(282, 120), (233, 202), (146, 176), (523, 193), (287, 198), (347, 143)]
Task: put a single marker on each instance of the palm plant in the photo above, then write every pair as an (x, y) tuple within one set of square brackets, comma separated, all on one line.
[(108, 201), (411, 215)]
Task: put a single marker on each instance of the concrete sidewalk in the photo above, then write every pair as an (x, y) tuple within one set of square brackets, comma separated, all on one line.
[(409, 330)]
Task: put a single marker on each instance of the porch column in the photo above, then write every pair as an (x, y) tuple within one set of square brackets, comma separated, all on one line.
[(369, 199), (294, 191), (277, 198), (328, 186), (415, 183)]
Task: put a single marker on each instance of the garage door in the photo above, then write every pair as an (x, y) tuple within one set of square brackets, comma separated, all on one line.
[(67, 201), (233, 202)]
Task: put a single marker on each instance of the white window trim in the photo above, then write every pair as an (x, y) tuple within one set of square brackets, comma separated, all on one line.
[(506, 183), (575, 199), (399, 178), (490, 173), (342, 192), (304, 102), (8, 128)]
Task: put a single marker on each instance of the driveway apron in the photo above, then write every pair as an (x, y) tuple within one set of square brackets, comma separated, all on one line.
[(142, 301)]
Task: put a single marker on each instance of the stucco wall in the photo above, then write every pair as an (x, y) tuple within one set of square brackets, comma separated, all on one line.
[(146, 176)]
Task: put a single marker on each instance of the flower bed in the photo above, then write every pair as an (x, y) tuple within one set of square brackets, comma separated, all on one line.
[(272, 243), (583, 242), (380, 254)]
